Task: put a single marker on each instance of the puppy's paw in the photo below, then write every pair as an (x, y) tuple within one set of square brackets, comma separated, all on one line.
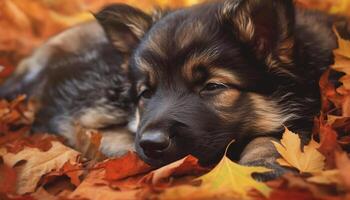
[(276, 170)]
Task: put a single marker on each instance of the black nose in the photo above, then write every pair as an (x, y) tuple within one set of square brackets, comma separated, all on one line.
[(154, 141)]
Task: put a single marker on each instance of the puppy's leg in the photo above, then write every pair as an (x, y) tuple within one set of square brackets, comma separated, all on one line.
[(261, 152)]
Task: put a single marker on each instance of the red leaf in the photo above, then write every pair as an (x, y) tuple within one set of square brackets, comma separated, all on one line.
[(7, 178), (186, 166), (128, 165), (73, 172), (328, 144)]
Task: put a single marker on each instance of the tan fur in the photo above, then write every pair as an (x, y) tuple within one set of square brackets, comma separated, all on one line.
[(153, 44), (201, 59), (99, 117), (269, 117), (145, 67), (219, 75), (241, 19), (226, 98)]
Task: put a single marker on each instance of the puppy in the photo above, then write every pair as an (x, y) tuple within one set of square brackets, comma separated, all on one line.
[(79, 79), (220, 71)]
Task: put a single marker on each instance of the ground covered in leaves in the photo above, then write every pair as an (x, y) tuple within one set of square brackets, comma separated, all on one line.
[(41, 166)]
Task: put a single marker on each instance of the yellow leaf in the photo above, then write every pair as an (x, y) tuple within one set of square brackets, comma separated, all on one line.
[(308, 161), (236, 177), (228, 180), (37, 163), (342, 64), (326, 177)]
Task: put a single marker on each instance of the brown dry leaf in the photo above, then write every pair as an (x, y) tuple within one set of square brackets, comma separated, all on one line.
[(95, 187), (37, 163), (310, 160), (39, 141)]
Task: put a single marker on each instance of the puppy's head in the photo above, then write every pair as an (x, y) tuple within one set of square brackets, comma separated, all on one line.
[(206, 75)]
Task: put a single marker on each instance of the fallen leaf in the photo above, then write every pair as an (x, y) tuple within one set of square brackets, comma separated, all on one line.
[(37, 163), (8, 178), (327, 177), (228, 180), (342, 64), (125, 166), (343, 164), (310, 160), (73, 171), (186, 166), (328, 144), (96, 187), (236, 177)]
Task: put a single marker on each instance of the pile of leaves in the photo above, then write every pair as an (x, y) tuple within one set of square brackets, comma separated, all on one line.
[(29, 23), (41, 166)]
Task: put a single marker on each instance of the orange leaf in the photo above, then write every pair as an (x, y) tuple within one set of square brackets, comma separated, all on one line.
[(7, 178), (186, 166), (343, 164), (328, 144), (73, 171), (128, 165)]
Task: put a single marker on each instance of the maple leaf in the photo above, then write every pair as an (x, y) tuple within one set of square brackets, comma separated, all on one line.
[(228, 180), (186, 166), (95, 186), (73, 171), (343, 164), (328, 141), (237, 177), (342, 64), (327, 177), (125, 166), (37, 163), (7, 178), (310, 160)]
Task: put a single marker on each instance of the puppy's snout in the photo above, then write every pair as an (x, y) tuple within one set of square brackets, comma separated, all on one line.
[(154, 142)]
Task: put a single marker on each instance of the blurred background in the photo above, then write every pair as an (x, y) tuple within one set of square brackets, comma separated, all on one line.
[(25, 24)]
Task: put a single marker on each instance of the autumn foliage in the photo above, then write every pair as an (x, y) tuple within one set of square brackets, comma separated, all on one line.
[(42, 166)]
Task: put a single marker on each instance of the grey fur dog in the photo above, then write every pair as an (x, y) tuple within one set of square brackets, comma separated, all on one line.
[(78, 77)]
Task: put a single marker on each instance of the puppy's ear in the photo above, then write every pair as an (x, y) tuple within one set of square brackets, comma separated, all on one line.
[(124, 25), (267, 26)]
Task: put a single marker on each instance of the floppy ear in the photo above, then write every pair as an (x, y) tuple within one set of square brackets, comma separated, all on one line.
[(124, 25), (267, 26)]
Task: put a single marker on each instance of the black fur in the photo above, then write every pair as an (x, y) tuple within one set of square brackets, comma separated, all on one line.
[(282, 62)]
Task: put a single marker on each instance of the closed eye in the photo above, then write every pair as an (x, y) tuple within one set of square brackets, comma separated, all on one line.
[(212, 88)]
